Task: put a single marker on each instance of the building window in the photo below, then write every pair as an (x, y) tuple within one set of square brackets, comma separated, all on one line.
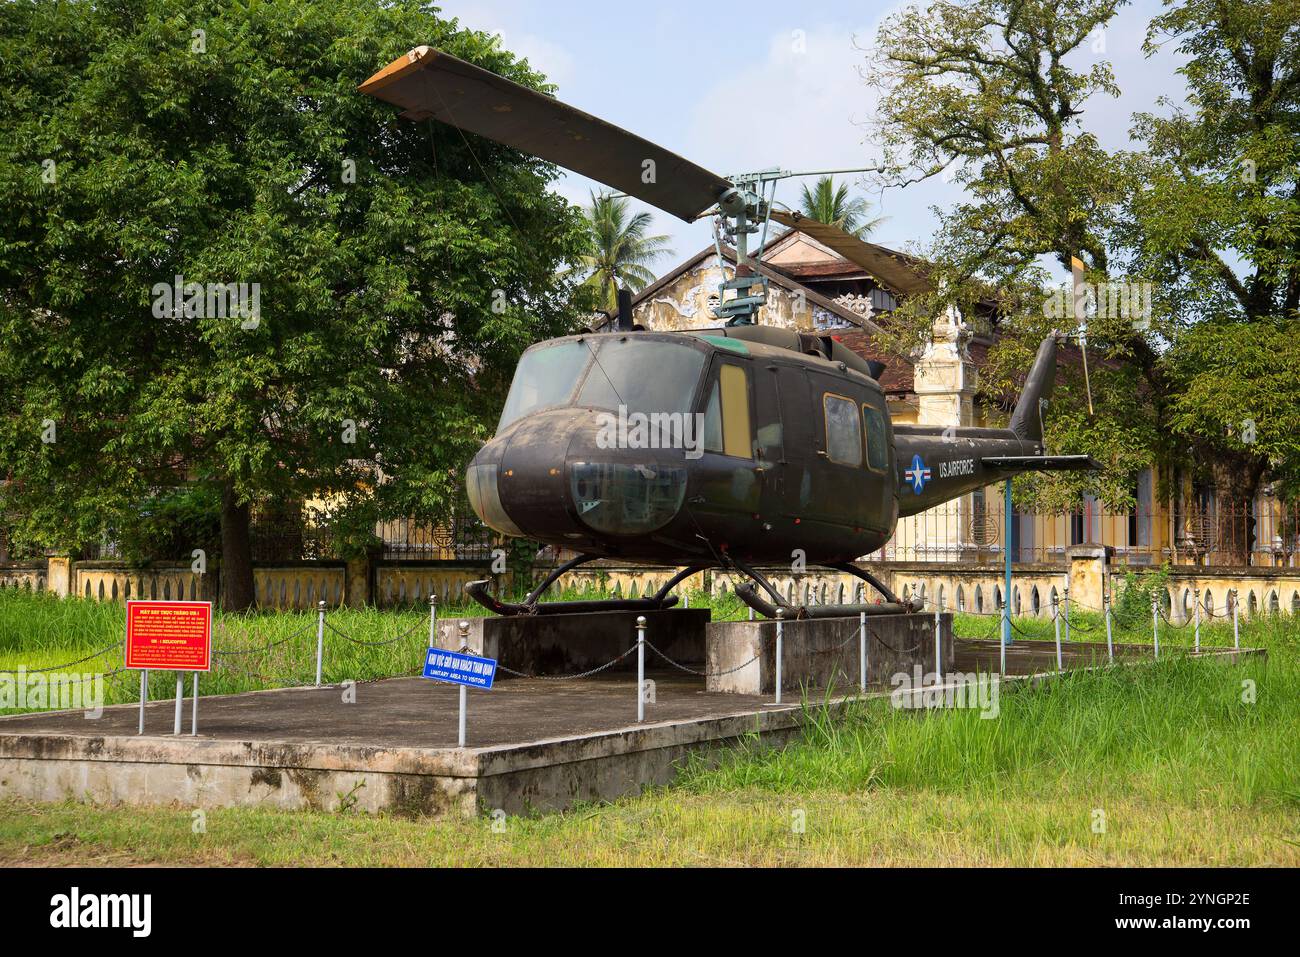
[(843, 430)]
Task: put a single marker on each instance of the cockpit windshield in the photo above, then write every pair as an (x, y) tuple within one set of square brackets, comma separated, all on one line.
[(645, 375)]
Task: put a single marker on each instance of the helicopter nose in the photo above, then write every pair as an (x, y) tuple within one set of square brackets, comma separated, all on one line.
[(551, 478), (516, 482)]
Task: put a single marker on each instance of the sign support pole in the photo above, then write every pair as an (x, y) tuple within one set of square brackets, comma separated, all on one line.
[(1006, 587), (144, 695), (194, 714), (780, 615), (180, 698), (464, 643)]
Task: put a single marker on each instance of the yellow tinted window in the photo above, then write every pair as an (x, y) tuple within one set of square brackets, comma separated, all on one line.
[(735, 411)]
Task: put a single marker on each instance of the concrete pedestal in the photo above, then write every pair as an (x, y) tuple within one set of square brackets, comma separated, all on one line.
[(821, 652), (568, 644)]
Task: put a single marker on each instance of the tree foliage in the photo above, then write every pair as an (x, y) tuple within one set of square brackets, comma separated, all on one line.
[(402, 266), (620, 251), (1202, 219), (828, 203)]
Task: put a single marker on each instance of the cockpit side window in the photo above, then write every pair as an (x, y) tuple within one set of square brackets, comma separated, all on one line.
[(727, 427)]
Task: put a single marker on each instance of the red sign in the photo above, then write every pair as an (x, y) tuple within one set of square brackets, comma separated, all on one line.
[(169, 635)]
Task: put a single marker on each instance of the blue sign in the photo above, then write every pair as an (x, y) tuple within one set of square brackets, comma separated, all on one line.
[(458, 669), (917, 475)]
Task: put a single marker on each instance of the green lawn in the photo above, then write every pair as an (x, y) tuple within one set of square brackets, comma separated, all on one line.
[(1180, 762)]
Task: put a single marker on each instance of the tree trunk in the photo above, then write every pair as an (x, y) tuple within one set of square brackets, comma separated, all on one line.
[(236, 553), (1236, 482)]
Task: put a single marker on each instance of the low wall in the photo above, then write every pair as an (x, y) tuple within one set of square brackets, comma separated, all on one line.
[(954, 586), (817, 653)]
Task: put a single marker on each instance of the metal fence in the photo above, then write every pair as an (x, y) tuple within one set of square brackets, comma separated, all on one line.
[(1260, 534)]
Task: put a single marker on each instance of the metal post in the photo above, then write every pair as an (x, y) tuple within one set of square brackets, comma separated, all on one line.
[(180, 698), (1056, 620), (862, 650), (320, 641), (687, 599), (433, 620), (751, 614), (1196, 631), (1006, 588), (780, 622), (464, 643), (938, 642), (640, 667), (194, 707), (1067, 609), (1155, 625), (144, 695), (1110, 646), (1236, 633)]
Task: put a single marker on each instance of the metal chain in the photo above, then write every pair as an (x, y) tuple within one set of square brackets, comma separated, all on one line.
[(702, 674), (223, 652), (585, 674), (37, 671), (375, 644)]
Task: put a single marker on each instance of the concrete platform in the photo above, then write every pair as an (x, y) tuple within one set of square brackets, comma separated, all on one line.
[(534, 744)]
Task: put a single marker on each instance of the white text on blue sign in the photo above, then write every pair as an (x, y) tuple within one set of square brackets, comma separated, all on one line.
[(460, 669)]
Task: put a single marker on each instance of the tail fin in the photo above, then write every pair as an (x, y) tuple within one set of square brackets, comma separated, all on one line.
[(1027, 419)]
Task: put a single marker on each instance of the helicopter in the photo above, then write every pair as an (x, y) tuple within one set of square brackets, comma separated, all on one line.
[(731, 447)]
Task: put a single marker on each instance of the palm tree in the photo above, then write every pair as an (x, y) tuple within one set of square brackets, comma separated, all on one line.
[(831, 204), (620, 249)]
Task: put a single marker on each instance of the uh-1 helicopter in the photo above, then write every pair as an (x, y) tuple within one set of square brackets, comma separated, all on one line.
[(729, 447)]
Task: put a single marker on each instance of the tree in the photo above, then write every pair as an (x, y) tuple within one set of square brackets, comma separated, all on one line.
[(983, 92), (831, 204), (1203, 220), (1214, 222), (392, 271), (620, 250)]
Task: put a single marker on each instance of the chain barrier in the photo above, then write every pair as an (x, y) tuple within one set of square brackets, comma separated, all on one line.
[(703, 674), (376, 644), (226, 652), (38, 671), (584, 674)]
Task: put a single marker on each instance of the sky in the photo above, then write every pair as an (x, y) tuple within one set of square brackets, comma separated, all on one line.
[(780, 88)]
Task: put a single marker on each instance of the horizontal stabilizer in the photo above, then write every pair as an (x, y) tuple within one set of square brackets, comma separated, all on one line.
[(1041, 463)]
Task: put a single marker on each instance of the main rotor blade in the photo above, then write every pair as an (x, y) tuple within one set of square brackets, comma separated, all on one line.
[(429, 83), (900, 273)]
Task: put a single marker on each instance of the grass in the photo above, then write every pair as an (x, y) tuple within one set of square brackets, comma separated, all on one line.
[(1180, 761)]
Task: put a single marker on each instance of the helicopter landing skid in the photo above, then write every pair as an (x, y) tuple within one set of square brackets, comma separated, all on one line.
[(659, 601), (748, 593)]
